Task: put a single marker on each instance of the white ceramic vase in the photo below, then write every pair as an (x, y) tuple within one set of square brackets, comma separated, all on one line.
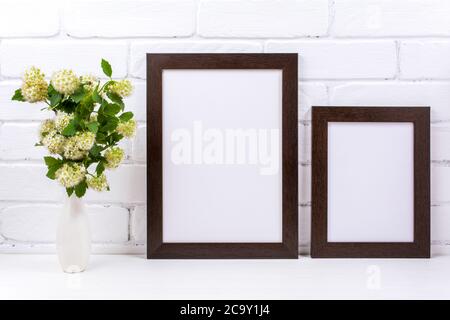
[(73, 238)]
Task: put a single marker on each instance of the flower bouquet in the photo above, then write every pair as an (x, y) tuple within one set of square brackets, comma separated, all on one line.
[(82, 138), (89, 122)]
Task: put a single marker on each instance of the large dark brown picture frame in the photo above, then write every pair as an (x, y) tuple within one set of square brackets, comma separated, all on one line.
[(288, 248), (420, 247)]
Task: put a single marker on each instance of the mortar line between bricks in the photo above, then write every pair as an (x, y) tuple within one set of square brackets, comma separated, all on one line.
[(397, 59), (137, 163), (63, 36), (197, 18), (362, 80), (305, 80), (129, 224), (331, 17), (103, 203), (50, 243)]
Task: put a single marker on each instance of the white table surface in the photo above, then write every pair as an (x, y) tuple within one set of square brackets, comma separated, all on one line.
[(134, 277)]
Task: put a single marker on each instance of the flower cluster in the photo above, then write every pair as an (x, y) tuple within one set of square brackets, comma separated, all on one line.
[(78, 146), (46, 127), (71, 174), (72, 152), (127, 129), (88, 124), (89, 82), (97, 183), (62, 120), (34, 87), (114, 157), (122, 88), (54, 142), (65, 81)]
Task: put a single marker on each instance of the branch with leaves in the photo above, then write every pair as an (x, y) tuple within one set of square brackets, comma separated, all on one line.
[(90, 120)]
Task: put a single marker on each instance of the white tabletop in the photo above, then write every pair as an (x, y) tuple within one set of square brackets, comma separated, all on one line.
[(134, 277)]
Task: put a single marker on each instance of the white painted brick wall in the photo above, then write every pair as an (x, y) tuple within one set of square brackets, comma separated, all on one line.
[(13, 110), (434, 94), (325, 59), (29, 18), (140, 48), (440, 149), (83, 56), (130, 18), (378, 18), (311, 94), (352, 52), (425, 59), (139, 225), (140, 144), (16, 139), (32, 223), (262, 19), (439, 224)]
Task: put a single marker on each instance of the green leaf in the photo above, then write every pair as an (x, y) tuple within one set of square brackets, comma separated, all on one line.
[(110, 125), (55, 98), (100, 168), (93, 126), (50, 161), (126, 116), (82, 124), (112, 109), (106, 67), (116, 99), (114, 137), (101, 138), (18, 95), (67, 105), (50, 89), (96, 97), (69, 191), (78, 95), (53, 165), (70, 130), (95, 150), (51, 173), (85, 108), (80, 189)]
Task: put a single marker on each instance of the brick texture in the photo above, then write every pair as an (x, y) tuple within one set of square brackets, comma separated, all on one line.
[(351, 52)]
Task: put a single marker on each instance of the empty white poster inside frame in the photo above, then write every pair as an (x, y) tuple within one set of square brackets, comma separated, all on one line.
[(370, 182), (222, 156)]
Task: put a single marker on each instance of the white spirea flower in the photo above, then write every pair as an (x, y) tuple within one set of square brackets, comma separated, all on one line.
[(62, 120), (70, 174), (33, 74), (35, 93), (113, 157), (78, 146), (123, 88), (89, 82), (46, 127), (84, 140), (54, 142), (97, 183), (65, 81), (34, 87), (127, 129), (72, 151)]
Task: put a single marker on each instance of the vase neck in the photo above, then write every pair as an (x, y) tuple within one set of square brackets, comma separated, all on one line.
[(75, 204)]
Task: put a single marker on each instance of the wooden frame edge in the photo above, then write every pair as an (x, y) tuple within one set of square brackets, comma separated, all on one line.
[(288, 248), (420, 248)]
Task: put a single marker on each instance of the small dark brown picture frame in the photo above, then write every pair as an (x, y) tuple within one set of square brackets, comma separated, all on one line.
[(288, 247), (420, 247)]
